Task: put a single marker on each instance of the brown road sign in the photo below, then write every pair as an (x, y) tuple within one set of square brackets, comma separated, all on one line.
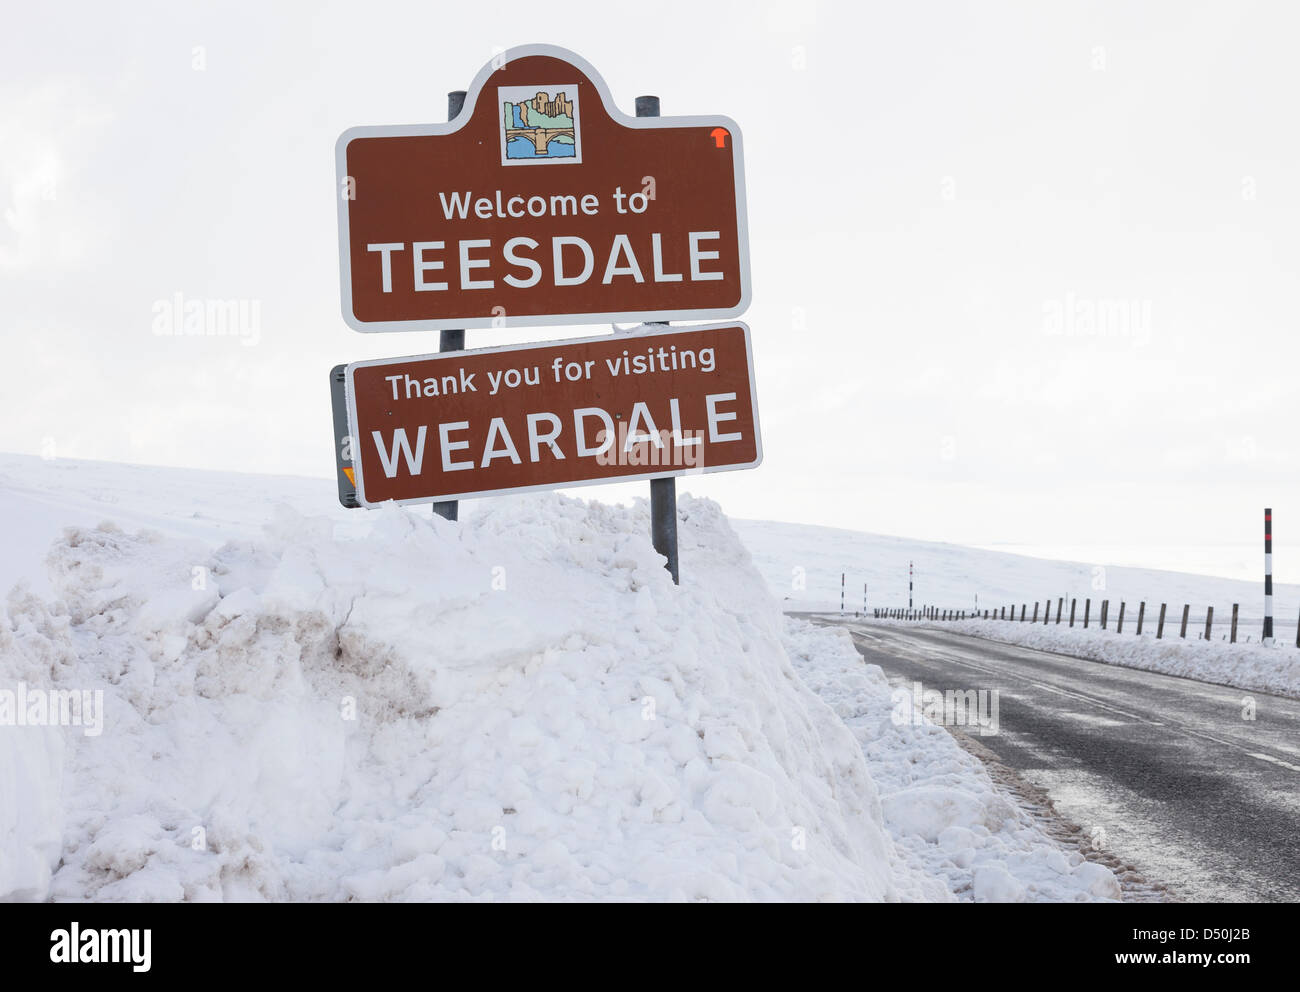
[(667, 402), (541, 203)]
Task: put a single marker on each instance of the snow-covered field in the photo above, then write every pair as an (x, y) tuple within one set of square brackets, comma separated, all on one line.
[(304, 703), (802, 565)]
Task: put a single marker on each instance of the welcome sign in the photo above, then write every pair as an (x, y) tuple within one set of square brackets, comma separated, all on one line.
[(541, 203)]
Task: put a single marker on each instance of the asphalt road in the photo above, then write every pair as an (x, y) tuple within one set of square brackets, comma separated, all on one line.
[(1176, 780)]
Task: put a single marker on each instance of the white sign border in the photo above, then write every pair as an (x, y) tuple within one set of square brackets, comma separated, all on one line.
[(355, 435), (538, 320)]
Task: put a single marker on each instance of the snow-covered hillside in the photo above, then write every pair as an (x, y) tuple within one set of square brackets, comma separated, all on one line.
[(802, 565), (301, 702)]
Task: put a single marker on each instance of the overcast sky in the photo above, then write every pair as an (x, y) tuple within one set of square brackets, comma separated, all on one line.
[(940, 195)]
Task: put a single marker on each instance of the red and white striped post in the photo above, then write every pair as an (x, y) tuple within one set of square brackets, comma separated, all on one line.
[(1268, 575)]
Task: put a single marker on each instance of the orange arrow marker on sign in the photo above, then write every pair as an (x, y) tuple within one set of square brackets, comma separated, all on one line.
[(719, 136)]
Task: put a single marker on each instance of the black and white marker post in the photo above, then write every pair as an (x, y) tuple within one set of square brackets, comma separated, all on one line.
[(663, 492), (451, 340), (909, 585), (1268, 575)]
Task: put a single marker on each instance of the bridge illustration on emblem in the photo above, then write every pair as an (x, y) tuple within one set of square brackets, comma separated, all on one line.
[(539, 124)]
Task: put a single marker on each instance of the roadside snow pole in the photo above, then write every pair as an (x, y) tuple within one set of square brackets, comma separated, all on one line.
[(909, 585), (1160, 627), (1186, 609), (1073, 603), (1035, 620), (841, 594), (1087, 609), (663, 492), (864, 599), (451, 340), (1105, 611), (1142, 612), (1209, 621), (1268, 577), (1233, 638), (1119, 627), (1060, 604)]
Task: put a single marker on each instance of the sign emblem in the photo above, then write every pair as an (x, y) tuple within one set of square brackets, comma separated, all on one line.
[(539, 124)]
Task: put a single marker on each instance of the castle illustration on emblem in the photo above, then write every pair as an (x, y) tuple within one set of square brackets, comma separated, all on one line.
[(539, 124)]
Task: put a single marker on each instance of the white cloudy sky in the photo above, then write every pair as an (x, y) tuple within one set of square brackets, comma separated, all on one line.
[(929, 184)]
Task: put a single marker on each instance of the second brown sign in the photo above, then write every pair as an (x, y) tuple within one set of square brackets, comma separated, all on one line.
[(616, 408)]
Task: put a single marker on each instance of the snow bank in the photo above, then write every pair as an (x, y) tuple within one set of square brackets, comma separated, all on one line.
[(1255, 667), (939, 804), (522, 707)]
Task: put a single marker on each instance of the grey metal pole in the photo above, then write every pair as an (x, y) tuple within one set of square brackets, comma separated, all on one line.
[(663, 492), (451, 340)]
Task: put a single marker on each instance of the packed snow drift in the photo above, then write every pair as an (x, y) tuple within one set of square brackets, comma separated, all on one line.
[(522, 706)]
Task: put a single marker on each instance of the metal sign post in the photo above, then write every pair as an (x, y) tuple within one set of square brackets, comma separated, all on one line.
[(663, 492), (451, 339)]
